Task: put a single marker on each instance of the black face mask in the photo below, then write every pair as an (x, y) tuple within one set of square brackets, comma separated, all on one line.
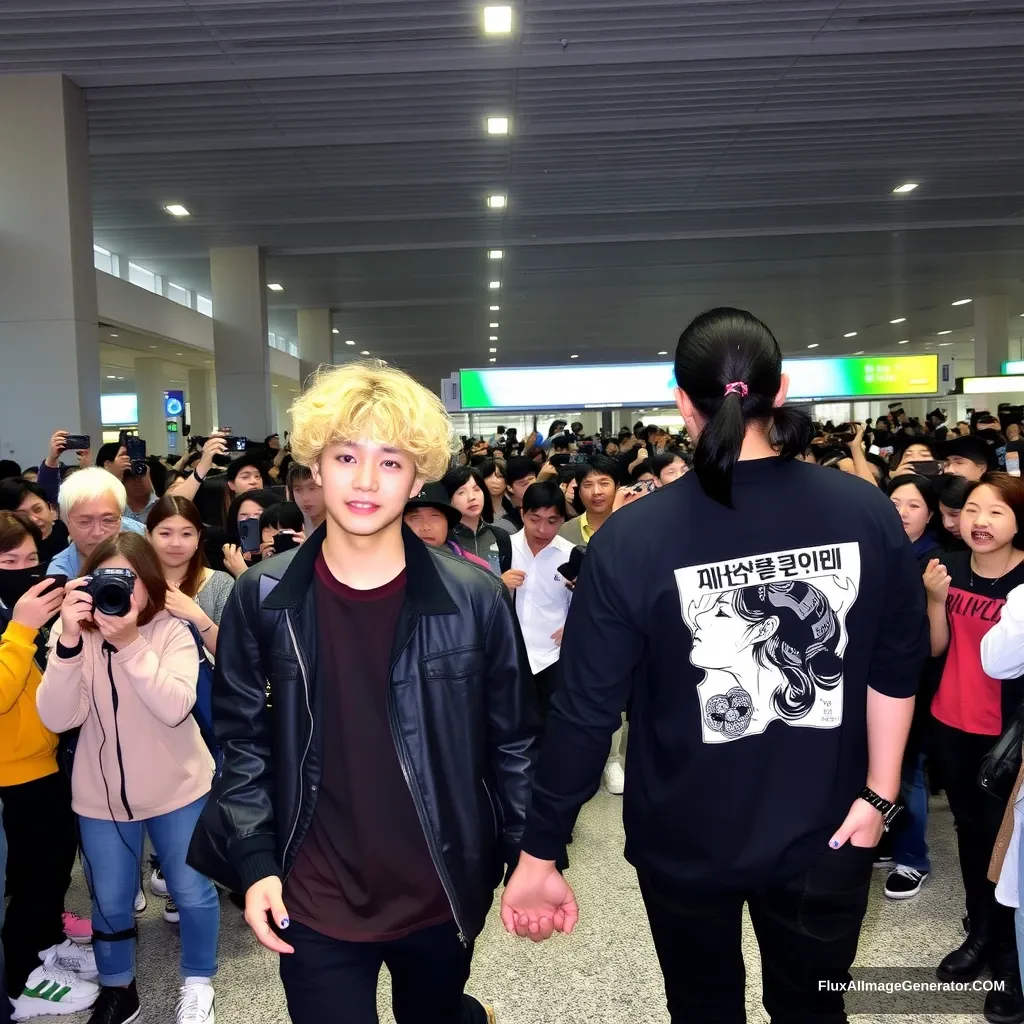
[(14, 583)]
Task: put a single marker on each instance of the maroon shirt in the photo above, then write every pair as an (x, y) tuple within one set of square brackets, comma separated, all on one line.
[(363, 872)]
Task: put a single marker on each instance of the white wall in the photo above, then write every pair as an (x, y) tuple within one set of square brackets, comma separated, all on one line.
[(128, 306)]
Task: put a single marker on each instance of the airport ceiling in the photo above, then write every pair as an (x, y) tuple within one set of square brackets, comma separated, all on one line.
[(662, 157)]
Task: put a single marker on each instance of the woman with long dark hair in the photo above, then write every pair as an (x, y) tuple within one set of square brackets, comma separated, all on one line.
[(493, 473), (476, 533), (765, 623)]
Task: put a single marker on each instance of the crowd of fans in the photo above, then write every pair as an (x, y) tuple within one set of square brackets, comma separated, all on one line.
[(115, 578)]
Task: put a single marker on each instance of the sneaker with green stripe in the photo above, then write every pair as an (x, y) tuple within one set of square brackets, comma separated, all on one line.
[(52, 991)]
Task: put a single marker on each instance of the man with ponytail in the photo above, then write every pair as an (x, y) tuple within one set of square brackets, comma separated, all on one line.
[(770, 659)]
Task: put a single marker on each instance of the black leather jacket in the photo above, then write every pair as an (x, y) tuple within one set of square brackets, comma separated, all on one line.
[(462, 717)]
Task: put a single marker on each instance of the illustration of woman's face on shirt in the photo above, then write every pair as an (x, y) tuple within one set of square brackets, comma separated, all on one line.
[(720, 634)]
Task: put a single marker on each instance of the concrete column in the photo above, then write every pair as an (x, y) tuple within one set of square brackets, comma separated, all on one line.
[(150, 384), (200, 398), (315, 341), (991, 335), (49, 343), (239, 284), (281, 399)]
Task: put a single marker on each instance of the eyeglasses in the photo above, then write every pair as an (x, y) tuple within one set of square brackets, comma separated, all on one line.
[(89, 523)]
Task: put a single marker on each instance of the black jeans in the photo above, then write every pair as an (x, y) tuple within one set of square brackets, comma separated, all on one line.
[(807, 930), (547, 680), (327, 979), (977, 817), (41, 846)]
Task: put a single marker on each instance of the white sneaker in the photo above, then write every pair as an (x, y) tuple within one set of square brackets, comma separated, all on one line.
[(52, 991), (157, 883), (195, 1004), (140, 901), (614, 778), (71, 957)]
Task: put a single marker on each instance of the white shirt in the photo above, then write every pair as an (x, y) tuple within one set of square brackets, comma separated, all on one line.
[(542, 602)]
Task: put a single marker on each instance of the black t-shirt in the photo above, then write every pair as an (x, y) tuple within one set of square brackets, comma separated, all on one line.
[(751, 637), (363, 872), (54, 544)]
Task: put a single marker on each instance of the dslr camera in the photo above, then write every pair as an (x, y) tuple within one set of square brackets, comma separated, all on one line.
[(111, 591)]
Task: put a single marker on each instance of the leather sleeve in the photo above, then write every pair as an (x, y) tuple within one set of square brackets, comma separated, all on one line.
[(242, 724), (513, 725)]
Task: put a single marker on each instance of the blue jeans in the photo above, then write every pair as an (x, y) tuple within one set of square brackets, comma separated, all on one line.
[(112, 852), (909, 844)]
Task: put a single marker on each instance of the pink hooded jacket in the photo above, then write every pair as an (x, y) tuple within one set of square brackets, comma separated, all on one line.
[(139, 755)]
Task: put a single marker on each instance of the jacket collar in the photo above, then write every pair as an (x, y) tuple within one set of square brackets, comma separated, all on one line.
[(424, 589)]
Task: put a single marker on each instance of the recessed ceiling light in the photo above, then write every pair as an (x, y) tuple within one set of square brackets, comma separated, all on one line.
[(492, 350), (493, 326), (120, 378), (898, 320), (497, 126), (495, 309), (497, 201), (495, 254), (574, 357), (152, 346), (365, 352), (493, 337), (110, 376), (273, 385), (850, 334), (907, 186), (497, 20), (113, 335), (859, 352), (350, 342), (177, 210), (943, 344), (961, 302), (275, 287), (492, 360), (494, 285), (334, 330), (905, 341), (945, 332), (815, 345), (663, 353), (179, 353)]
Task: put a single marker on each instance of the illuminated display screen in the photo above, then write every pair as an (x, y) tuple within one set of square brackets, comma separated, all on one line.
[(640, 384), (992, 385), (117, 409), (1014, 366)]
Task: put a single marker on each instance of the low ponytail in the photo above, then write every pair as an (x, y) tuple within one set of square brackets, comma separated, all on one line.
[(730, 366), (718, 448)]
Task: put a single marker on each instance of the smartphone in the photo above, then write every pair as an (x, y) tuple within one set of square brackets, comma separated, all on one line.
[(1013, 463), (644, 487), (285, 541), (77, 442), (929, 467), (58, 579), (136, 449), (250, 534), (236, 444)]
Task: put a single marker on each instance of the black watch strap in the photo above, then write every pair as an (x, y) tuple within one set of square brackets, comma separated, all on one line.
[(888, 809)]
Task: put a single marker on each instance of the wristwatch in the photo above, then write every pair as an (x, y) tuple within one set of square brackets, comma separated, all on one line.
[(889, 809)]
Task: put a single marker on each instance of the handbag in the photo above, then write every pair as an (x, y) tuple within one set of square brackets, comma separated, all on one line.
[(999, 767)]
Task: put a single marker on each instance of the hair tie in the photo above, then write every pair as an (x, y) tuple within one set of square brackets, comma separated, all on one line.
[(737, 387)]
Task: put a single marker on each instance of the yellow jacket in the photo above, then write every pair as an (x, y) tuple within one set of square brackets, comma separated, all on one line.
[(27, 747)]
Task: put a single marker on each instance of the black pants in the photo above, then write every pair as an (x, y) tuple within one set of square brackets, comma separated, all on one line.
[(330, 980), (547, 680), (807, 930), (977, 817), (41, 847)]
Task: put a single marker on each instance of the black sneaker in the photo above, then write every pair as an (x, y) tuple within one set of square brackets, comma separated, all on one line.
[(171, 914), (116, 1006), (904, 882)]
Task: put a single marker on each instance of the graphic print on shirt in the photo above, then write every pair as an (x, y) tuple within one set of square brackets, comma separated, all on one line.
[(769, 631)]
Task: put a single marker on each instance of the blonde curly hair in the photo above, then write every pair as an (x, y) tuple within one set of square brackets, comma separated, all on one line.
[(369, 399)]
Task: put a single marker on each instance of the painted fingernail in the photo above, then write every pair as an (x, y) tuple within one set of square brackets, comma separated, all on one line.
[(835, 844), (284, 922)]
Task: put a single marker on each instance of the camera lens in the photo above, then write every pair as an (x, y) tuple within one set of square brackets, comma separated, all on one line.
[(113, 596)]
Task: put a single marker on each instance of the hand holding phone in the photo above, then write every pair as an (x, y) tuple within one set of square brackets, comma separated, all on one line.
[(249, 533)]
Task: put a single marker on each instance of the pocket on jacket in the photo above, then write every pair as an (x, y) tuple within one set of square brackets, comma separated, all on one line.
[(460, 664)]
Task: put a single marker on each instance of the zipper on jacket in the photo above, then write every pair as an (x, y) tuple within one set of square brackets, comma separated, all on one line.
[(309, 740), (117, 734), (435, 854)]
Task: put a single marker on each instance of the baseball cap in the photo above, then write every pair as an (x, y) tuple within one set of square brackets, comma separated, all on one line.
[(435, 496)]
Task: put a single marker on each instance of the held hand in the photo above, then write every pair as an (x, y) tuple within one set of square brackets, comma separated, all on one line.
[(538, 901), (262, 897), (122, 463), (119, 630), (936, 581), (513, 578), (34, 608), (863, 827), (233, 560), (56, 447), (557, 636), (76, 609)]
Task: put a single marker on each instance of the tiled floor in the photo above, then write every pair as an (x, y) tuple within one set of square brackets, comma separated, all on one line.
[(606, 972)]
